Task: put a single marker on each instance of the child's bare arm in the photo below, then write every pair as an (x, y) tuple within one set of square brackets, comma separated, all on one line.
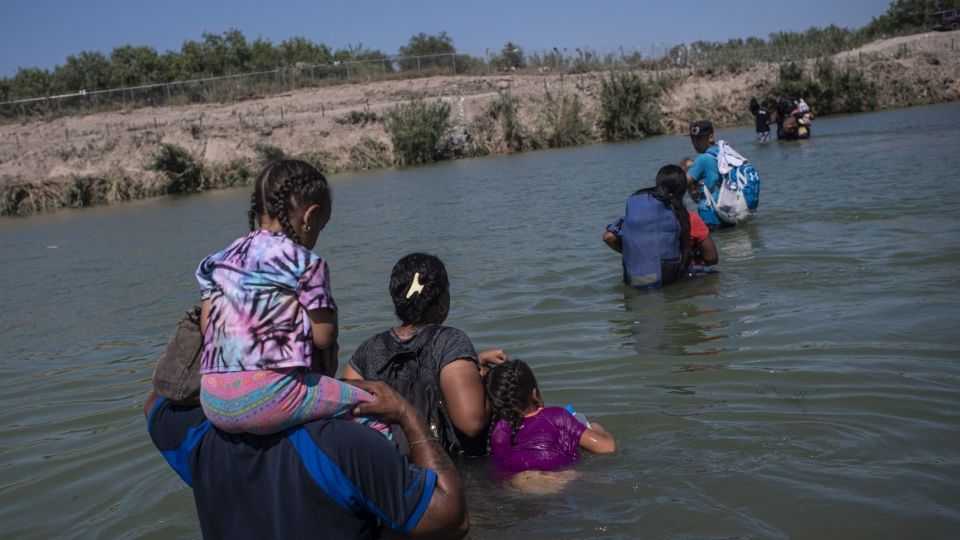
[(597, 439), (204, 316), (323, 325)]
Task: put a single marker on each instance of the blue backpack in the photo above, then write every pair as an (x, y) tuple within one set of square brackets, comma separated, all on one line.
[(650, 236)]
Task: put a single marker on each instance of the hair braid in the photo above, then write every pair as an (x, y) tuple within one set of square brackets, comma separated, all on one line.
[(284, 186), (510, 387), (283, 208), (515, 411), (253, 214)]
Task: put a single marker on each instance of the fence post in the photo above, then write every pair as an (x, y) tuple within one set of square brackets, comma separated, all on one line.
[(348, 69), (453, 60), (418, 65)]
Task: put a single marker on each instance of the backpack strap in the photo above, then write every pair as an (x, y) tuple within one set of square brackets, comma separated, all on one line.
[(401, 354)]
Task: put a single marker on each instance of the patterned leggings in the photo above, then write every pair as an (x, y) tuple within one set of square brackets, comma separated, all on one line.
[(270, 401)]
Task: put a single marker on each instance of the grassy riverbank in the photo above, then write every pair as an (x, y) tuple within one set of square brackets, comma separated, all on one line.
[(126, 154)]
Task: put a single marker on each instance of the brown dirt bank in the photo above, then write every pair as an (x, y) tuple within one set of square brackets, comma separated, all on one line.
[(81, 160)]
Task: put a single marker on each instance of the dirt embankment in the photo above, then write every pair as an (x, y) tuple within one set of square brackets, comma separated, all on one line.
[(923, 68)]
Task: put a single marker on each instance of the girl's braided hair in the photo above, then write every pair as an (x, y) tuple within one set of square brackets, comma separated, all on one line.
[(510, 387), (286, 185)]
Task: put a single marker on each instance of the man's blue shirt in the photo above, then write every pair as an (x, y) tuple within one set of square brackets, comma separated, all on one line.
[(324, 479), (705, 169)]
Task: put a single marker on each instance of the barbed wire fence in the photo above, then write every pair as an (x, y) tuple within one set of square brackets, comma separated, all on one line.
[(673, 59)]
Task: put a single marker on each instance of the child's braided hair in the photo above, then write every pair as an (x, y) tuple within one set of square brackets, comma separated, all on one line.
[(283, 186), (510, 387)]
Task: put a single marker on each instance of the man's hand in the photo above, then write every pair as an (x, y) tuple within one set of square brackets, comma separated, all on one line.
[(446, 515), (387, 405)]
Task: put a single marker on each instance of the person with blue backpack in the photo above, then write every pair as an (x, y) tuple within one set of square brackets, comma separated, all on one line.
[(724, 184), (659, 239)]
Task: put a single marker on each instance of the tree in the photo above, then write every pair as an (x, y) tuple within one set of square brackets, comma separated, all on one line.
[(31, 83), (263, 55), (89, 70), (907, 15), (427, 46), (301, 50), (131, 66), (510, 57)]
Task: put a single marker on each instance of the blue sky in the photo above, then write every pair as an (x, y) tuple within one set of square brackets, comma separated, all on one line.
[(42, 33)]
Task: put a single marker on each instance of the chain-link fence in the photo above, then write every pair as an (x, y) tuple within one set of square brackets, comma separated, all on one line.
[(703, 58)]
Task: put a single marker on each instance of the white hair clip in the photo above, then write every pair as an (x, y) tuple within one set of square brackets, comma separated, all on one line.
[(415, 285)]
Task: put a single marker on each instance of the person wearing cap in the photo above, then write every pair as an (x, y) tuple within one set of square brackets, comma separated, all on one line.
[(704, 173)]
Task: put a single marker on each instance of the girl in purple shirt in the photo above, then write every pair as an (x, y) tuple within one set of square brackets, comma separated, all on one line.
[(529, 436), (267, 316)]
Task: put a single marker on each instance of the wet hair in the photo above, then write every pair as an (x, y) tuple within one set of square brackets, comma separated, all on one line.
[(510, 387), (671, 185), (285, 185), (433, 277)]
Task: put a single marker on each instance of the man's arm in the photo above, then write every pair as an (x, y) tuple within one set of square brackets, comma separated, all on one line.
[(446, 515), (151, 399)]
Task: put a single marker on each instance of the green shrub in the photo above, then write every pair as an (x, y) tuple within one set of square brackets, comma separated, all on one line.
[(828, 90), (629, 107), (504, 110), (564, 125), (21, 198), (267, 153), (93, 190), (370, 154), (235, 173), (842, 90), (355, 118), (184, 173), (416, 130)]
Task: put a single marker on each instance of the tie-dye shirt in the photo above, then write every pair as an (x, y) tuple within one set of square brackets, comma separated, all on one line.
[(260, 289)]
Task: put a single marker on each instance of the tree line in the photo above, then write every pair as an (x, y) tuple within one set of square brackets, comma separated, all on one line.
[(231, 53)]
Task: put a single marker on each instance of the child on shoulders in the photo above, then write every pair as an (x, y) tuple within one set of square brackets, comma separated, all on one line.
[(267, 315)]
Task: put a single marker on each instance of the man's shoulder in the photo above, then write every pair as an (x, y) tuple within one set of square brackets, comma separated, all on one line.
[(706, 163)]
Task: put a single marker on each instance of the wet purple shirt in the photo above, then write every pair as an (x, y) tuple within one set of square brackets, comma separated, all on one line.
[(546, 441)]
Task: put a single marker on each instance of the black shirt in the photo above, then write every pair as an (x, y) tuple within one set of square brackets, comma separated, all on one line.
[(440, 345), (763, 122)]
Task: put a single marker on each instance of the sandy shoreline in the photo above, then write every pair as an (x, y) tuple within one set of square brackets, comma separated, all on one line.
[(305, 122)]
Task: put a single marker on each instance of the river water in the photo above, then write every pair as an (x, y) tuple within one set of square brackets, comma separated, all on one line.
[(808, 390)]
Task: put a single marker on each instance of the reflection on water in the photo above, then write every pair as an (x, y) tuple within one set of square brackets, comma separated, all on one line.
[(807, 389)]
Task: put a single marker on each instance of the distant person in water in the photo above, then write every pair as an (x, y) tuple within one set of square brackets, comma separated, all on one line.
[(762, 117), (657, 236), (726, 185), (528, 435), (794, 119)]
